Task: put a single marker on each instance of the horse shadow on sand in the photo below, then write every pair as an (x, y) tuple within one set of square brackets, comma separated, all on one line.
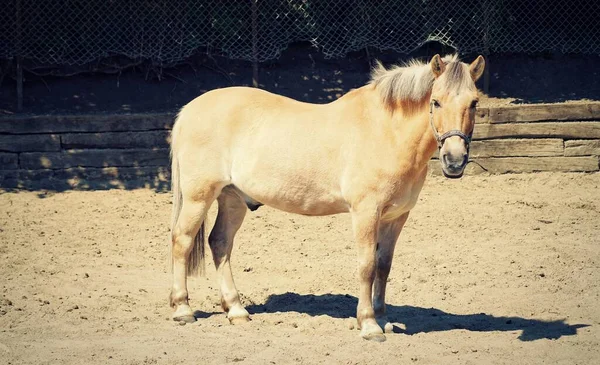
[(416, 319)]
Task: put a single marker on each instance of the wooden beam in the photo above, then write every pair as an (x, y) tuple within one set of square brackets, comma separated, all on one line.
[(19, 61), (566, 130), (525, 165), (582, 147), (544, 112), (254, 43)]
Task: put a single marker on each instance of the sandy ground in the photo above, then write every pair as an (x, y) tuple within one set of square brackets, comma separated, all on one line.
[(489, 270)]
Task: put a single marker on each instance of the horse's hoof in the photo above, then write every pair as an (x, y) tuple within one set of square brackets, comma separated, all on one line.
[(238, 315), (372, 332), (238, 320), (375, 337), (186, 319)]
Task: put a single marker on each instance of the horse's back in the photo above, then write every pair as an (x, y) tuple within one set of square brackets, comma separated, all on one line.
[(226, 101)]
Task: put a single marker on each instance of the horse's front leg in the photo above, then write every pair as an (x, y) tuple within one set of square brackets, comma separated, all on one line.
[(365, 224), (387, 238)]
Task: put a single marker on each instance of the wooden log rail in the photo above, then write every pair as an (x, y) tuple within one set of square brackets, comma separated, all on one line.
[(132, 150)]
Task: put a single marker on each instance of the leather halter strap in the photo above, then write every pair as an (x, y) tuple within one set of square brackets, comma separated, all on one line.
[(455, 132)]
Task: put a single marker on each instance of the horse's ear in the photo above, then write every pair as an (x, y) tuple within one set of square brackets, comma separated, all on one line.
[(476, 68), (437, 65)]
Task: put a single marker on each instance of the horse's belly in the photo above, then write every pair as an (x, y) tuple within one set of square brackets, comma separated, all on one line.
[(316, 207), (294, 195)]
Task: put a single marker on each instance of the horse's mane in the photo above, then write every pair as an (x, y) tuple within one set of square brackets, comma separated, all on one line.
[(409, 84)]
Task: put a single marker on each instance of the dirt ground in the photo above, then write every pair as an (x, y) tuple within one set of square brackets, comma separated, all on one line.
[(489, 270)]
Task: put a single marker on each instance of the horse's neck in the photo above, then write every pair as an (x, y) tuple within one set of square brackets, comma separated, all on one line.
[(404, 131), (413, 135)]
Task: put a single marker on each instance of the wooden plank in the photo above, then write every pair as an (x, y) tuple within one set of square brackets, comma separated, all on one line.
[(482, 115), (536, 164), (566, 130), (534, 113), (156, 177), (9, 161), (525, 165), (29, 143), (516, 148), (89, 178), (95, 158), (140, 139), (141, 122), (24, 179), (86, 123), (582, 147)]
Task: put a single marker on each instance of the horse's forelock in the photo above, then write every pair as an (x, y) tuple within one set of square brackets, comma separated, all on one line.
[(456, 77)]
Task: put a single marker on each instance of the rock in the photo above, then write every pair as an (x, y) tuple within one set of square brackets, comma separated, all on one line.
[(73, 308)]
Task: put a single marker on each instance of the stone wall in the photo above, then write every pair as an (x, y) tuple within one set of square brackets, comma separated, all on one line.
[(130, 151)]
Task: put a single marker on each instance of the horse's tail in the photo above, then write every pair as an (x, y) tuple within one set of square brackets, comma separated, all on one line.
[(196, 258)]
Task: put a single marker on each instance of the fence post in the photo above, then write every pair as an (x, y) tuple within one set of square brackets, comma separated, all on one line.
[(18, 57), (254, 43), (486, 47)]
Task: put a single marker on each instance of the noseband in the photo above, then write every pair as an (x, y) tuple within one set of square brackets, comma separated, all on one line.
[(455, 132)]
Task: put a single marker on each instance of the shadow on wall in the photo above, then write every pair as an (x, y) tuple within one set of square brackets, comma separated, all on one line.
[(301, 72), (157, 179), (544, 78), (417, 319)]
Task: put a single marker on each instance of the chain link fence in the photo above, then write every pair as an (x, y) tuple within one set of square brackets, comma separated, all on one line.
[(65, 33)]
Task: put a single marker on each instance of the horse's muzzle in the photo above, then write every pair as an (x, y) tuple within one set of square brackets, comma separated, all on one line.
[(453, 166)]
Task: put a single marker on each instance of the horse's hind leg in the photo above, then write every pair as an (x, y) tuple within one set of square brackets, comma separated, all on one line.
[(232, 210), (193, 211)]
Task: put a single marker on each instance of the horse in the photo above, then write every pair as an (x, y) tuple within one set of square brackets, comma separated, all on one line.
[(365, 153)]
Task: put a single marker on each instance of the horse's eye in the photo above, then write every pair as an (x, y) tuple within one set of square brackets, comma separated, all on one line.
[(474, 104), (436, 104)]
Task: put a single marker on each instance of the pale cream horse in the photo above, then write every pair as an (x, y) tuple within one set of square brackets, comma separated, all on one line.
[(365, 153)]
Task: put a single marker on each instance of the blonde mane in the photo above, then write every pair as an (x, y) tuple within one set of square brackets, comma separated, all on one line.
[(410, 84)]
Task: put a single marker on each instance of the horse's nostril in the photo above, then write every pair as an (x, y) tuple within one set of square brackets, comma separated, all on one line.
[(445, 159), (465, 159)]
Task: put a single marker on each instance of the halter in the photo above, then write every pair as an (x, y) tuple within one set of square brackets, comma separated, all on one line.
[(455, 132)]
